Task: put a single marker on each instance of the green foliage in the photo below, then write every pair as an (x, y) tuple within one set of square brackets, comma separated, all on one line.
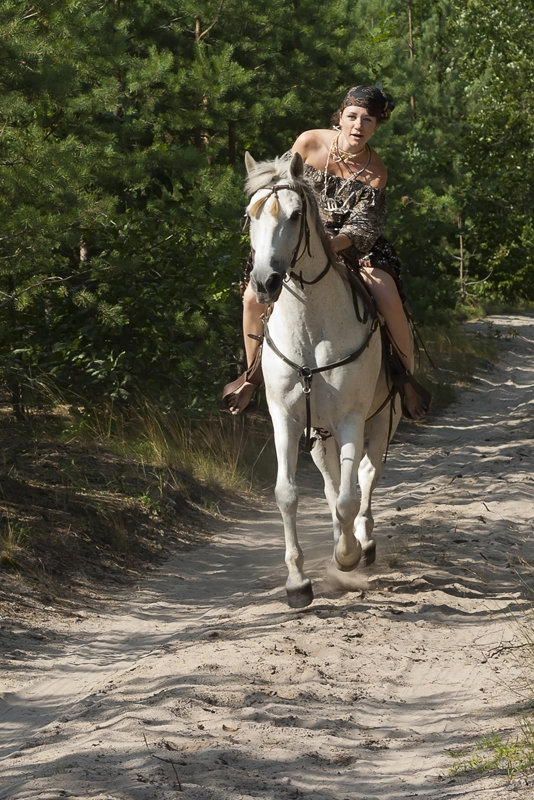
[(123, 129)]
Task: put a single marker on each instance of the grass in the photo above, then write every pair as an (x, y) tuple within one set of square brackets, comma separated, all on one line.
[(12, 541), (456, 354), (221, 452), (493, 753)]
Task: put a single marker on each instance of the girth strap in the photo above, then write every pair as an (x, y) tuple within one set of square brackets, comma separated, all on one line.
[(306, 373)]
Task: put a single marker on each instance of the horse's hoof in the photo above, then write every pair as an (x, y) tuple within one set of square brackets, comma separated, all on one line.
[(345, 567), (301, 597), (348, 566), (368, 555)]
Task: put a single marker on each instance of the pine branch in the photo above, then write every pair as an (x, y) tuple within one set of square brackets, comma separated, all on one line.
[(13, 296)]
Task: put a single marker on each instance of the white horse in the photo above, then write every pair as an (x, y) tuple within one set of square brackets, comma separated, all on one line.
[(322, 367)]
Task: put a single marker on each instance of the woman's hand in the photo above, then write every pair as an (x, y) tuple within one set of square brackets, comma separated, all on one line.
[(340, 242)]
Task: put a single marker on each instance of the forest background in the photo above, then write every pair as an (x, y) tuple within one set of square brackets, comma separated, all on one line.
[(123, 127)]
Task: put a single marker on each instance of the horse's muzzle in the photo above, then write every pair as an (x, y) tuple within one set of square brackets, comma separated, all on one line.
[(268, 291)]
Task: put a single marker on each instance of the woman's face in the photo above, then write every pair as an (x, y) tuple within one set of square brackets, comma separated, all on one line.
[(357, 127)]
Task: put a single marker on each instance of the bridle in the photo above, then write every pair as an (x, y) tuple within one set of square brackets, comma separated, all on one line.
[(306, 373), (304, 234)]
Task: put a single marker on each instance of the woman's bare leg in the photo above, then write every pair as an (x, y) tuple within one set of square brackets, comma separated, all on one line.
[(252, 324), (389, 304)]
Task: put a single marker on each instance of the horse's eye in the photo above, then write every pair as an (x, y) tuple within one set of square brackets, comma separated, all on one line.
[(295, 215)]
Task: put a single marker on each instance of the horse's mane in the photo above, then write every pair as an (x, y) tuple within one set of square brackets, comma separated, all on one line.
[(266, 173)]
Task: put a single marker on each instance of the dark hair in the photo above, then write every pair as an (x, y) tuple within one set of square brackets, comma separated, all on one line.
[(373, 98)]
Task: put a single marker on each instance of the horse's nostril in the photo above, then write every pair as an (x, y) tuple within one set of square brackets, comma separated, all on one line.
[(273, 283)]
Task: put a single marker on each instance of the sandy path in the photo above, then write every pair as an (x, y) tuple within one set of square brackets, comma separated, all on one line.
[(204, 680)]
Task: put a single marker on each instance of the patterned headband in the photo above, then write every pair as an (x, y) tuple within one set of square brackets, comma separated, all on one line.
[(373, 98)]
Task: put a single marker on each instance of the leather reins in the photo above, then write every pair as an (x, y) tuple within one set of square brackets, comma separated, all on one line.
[(306, 373)]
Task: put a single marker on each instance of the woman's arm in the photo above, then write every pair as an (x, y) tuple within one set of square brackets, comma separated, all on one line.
[(364, 224)]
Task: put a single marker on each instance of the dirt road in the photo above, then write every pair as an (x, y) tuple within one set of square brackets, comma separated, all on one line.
[(203, 684)]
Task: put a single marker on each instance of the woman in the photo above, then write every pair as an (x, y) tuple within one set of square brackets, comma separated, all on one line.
[(349, 181)]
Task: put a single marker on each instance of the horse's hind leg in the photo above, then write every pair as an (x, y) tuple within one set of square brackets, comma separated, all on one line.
[(363, 527), (298, 586), (368, 474), (326, 458)]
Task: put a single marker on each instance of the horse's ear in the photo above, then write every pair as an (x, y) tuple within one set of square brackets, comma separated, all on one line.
[(297, 166), (250, 164)]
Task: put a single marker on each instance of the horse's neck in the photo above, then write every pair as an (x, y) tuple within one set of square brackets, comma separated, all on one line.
[(311, 310), (307, 273)]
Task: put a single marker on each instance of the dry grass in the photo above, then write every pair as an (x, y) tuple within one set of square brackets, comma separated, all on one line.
[(456, 355), (78, 510)]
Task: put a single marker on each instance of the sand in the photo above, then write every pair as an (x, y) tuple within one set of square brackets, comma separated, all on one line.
[(200, 682)]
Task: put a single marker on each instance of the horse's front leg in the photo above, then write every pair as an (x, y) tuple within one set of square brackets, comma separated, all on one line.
[(325, 456), (286, 439), (347, 549)]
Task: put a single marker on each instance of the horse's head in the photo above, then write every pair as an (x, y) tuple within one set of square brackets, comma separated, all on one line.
[(277, 214)]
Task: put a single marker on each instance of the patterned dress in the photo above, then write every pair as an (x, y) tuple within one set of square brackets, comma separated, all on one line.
[(360, 212), (348, 206)]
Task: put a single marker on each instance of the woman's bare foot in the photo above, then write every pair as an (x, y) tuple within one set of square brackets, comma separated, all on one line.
[(415, 399), (240, 398), (412, 405)]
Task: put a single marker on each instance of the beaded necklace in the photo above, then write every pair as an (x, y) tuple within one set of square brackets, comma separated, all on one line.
[(338, 155)]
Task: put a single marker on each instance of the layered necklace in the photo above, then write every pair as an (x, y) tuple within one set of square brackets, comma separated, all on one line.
[(338, 155), (336, 204)]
